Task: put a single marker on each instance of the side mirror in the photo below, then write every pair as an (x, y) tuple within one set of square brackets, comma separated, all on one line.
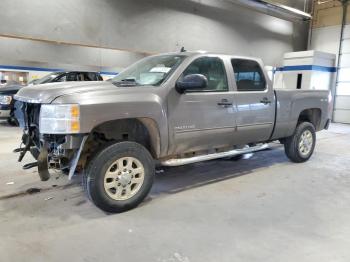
[(191, 82)]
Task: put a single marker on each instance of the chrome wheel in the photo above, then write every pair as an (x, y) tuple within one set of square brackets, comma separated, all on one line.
[(124, 178), (306, 142)]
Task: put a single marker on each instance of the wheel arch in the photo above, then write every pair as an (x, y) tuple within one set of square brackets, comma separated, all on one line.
[(312, 115), (142, 130)]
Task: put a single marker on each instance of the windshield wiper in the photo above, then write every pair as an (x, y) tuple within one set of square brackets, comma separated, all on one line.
[(126, 82)]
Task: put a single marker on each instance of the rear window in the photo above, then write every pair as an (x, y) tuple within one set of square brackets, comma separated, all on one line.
[(248, 75)]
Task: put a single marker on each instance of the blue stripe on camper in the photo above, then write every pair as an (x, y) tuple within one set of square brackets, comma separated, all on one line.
[(308, 68)]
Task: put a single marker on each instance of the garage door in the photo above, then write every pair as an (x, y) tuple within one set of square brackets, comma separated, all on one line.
[(342, 99)]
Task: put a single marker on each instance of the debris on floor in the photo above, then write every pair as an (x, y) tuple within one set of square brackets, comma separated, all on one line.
[(10, 183), (48, 198), (33, 190)]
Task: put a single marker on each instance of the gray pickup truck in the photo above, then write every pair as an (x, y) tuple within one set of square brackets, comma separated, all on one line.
[(169, 109)]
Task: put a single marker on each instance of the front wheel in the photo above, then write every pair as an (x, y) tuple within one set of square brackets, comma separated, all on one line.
[(119, 177), (300, 146)]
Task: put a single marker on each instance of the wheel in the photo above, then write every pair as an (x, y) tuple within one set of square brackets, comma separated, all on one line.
[(119, 177), (300, 146), (12, 121)]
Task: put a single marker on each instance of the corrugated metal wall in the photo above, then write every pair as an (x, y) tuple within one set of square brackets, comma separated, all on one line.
[(326, 36), (342, 99)]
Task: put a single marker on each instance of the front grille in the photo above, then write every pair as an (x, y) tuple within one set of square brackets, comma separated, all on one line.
[(28, 115)]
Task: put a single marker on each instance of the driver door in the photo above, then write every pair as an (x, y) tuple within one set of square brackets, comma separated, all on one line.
[(202, 119)]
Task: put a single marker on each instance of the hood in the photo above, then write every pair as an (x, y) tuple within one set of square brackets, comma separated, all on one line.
[(46, 93), (10, 90)]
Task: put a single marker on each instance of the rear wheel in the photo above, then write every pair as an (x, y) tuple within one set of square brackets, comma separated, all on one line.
[(120, 176), (300, 146)]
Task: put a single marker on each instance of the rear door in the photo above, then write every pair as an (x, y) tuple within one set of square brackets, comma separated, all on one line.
[(203, 119), (255, 102)]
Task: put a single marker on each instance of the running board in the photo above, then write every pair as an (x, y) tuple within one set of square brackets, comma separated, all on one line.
[(195, 159)]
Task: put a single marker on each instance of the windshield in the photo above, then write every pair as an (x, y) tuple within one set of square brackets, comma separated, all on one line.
[(149, 71), (46, 79)]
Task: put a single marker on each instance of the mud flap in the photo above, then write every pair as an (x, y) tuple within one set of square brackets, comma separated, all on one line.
[(43, 168)]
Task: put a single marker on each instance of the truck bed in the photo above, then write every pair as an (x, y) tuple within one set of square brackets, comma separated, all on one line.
[(290, 104)]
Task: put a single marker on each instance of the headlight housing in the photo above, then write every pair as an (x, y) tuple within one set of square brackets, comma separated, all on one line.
[(5, 100), (59, 119)]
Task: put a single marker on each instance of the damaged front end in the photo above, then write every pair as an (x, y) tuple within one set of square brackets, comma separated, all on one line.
[(51, 151)]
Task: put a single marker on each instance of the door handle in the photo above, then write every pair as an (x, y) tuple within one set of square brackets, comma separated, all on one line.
[(225, 103), (265, 101)]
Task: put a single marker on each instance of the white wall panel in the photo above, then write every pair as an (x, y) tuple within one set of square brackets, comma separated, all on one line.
[(343, 89), (343, 102), (346, 46), (347, 31), (342, 116), (344, 75), (328, 39), (345, 60)]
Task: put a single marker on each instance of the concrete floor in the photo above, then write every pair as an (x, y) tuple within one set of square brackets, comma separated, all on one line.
[(260, 209)]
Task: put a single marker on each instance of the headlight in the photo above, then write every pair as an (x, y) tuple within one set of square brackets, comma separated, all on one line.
[(59, 119), (5, 100)]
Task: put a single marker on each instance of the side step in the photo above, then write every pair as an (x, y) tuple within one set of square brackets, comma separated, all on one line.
[(195, 159)]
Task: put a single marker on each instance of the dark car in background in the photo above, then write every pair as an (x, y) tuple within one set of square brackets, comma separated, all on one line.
[(8, 91)]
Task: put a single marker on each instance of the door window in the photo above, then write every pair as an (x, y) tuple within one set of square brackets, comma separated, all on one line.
[(213, 69), (248, 75), (71, 77), (62, 78), (79, 77), (90, 76)]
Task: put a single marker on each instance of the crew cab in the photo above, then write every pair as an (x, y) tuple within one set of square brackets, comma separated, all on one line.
[(7, 92), (169, 109)]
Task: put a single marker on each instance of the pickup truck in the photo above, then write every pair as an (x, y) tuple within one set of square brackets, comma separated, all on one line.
[(168, 109)]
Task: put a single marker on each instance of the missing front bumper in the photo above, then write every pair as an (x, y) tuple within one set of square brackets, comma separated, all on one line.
[(63, 155)]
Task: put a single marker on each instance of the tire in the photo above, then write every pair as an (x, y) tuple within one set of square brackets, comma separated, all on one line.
[(129, 178), (295, 149)]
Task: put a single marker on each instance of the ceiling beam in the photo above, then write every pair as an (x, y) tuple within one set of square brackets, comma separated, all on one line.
[(275, 9)]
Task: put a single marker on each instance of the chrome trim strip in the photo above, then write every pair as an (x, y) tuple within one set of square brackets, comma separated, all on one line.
[(204, 129), (256, 124), (27, 100)]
